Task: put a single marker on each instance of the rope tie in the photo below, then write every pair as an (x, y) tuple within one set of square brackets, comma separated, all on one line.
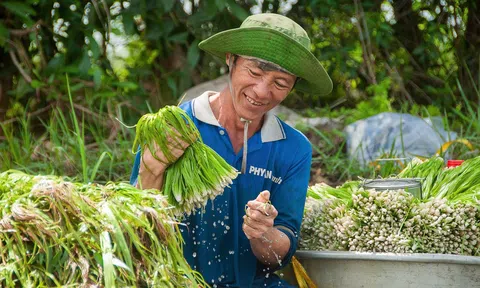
[(245, 143)]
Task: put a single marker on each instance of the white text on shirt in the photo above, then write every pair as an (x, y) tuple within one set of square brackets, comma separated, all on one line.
[(267, 174)]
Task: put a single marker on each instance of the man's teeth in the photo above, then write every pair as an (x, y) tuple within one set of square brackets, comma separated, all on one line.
[(253, 101)]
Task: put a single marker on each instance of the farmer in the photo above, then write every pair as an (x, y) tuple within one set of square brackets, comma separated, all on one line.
[(252, 229)]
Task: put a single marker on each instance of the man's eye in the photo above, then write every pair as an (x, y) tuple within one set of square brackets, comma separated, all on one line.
[(280, 85), (253, 73)]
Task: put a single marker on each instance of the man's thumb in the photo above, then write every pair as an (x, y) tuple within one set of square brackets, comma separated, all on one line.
[(264, 196)]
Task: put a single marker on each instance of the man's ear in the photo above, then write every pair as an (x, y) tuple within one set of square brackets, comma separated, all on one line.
[(227, 58)]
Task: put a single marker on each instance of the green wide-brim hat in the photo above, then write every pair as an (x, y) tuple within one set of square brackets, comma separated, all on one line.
[(277, 39)]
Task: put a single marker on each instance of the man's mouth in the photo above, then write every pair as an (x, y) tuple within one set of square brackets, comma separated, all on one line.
[(253, 102)]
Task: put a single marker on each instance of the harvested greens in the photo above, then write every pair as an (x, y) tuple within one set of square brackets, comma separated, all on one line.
[(446, 220), (199, 174), (58, 233)]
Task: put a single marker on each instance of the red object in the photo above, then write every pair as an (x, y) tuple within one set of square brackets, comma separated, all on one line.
[(454, 163)]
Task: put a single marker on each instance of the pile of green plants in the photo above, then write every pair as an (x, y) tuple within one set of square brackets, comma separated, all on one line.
[(446, 219), (60, 233), (199, 174)]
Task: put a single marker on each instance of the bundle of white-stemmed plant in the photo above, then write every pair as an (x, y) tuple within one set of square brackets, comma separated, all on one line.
[(445, 220), (199, 174)]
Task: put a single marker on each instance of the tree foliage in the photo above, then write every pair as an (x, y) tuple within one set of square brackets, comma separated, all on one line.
[(427, 49)]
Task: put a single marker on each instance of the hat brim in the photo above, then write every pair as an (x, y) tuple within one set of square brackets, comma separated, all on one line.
[(276, 47)]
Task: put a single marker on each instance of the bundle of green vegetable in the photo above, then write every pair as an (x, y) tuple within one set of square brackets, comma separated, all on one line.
[(199, 174), (59, 233), (460, 183), (446, 220), (388, 221)]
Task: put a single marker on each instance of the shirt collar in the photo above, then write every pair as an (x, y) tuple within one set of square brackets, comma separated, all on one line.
[(272, 129)]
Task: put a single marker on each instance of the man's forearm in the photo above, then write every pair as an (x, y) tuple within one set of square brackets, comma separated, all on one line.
[(147, 180), (271, 248)]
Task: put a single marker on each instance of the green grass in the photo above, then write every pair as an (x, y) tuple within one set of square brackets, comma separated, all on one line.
[(69, 143), (90, 144)]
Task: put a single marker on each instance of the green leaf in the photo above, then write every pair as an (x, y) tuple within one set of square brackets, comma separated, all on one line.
[(220, 4), (70, 69), (168, 5), (97, 77), (4, 34), (106, 94), (237, 10), (154, 31), (36, 84), (199, 18), (193, 54), (211, 8), (419, 50), (126, 84), (173, 86), (84, 64), (94, 48), (54, 65), (20, 9), (108, 269), (179, 37), (128, 24), (77, 87)]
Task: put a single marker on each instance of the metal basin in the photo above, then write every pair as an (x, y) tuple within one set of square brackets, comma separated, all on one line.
[(372, 270)]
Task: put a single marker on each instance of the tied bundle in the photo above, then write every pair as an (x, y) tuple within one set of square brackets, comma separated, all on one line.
[(199, 174), (445, 220)]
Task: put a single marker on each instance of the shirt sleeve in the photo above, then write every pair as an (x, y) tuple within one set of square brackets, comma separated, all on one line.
[(289, 200), (136, 167)]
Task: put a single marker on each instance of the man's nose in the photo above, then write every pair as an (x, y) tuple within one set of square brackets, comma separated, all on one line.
[(262, 89)]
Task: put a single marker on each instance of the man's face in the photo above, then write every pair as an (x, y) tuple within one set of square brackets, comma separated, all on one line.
[(257, 91)]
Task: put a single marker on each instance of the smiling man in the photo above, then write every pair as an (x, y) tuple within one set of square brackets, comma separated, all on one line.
[(250, 230)]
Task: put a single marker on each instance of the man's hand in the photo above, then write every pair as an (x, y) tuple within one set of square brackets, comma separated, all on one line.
[(259, 217), (151, 169), (153, 165)]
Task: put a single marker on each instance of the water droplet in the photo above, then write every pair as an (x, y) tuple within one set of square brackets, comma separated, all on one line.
[(194, 254), (231, 252), (210, 263)]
